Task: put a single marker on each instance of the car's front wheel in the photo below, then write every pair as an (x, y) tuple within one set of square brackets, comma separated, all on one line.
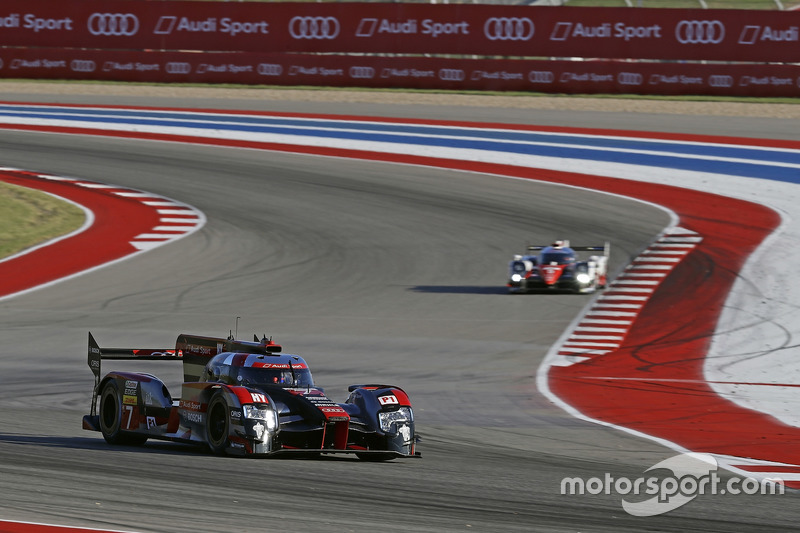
[(217, 424)]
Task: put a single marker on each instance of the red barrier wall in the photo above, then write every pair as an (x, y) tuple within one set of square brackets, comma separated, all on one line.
[(123, 31), (406, 72)]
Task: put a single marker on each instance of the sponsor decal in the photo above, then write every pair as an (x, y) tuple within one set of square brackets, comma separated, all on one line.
[(190, 405), (30, 21), (497, 75), (509, 29), (113, 24), (37, 63), (202, 68), (451, 74), (131, 384), (630, 78), (297, 70), (127, 399), (193, 416), (269, 69), (390, 399), (765, 80), (541, 76), (363, 73), (258, 397), (656, 79), (169, 23), (564, 30), (368, 27), (151, 422), (177, 67), (718, 80), (407, 73), (237, 415), (700, 32), (751, 34), (314, 27), (113, 66), (567, 77)]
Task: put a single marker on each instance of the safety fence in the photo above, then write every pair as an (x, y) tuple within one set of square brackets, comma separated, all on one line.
[(427, 46)]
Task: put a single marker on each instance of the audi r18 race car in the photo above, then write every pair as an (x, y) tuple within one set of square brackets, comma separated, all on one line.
[(558, 266), (245, 398)]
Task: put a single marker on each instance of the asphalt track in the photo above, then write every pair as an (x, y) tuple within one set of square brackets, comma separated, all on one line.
[(371, 271)]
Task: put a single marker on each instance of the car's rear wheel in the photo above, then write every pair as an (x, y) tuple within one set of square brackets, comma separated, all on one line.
[(111, 418), (217, 424)]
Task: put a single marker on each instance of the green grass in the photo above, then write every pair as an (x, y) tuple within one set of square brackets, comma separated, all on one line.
[(29, 217)]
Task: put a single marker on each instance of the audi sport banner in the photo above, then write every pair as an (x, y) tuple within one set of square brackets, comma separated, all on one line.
[(402, 28), (405, 72)]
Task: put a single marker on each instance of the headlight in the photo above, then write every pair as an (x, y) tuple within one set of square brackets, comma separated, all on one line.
[(256, 412), (583, 278), (387, 418), (516, 277)]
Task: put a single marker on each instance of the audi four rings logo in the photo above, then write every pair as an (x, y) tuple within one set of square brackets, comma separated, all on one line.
[(270, 69), (541, 76), (117, 24), (700, 32), (720, 81), (81, 65), (508, 29), (451, 74), (175, 67), (366, 73), (314, 27), (630, 78)]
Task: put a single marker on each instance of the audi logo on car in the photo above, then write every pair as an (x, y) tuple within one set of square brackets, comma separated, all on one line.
[(629, 78), (113, 24), (719, 80), (270, 69), (451, 74), (82, 65), (541, 76), (364, 73), (508, 29), (700, 32), (314, 27), (177, 67)]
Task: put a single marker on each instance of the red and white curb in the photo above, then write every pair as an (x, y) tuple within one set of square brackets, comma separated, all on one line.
[(606, 324)]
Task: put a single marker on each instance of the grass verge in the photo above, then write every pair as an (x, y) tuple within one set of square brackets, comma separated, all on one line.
[(29, 217)]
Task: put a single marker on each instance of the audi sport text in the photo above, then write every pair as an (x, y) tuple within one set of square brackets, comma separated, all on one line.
[(30, 21), (369, 27)]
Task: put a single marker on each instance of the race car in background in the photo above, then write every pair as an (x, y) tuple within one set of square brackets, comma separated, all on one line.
[(245, 398), (558, 267)]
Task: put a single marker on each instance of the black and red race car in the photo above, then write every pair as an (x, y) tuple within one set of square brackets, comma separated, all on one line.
[(245, 398), (558, 267)]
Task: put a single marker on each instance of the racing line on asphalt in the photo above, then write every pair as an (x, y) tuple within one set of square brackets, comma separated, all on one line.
[(634, 361)]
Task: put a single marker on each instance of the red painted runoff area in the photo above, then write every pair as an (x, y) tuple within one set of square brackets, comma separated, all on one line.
[(117, 221)]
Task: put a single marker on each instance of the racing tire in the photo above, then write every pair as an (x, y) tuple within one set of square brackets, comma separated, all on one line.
[(217, 424), (111, 418)]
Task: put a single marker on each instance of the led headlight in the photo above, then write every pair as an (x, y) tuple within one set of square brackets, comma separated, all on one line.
[(516, 277), (401, 416), (583, 278), (256, 412)]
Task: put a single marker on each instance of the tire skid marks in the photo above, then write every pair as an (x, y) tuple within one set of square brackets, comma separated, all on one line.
[(182, 220), (607, 322)]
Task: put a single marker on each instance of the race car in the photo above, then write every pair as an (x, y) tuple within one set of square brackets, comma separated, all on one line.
[(245, 398), (558, 267)]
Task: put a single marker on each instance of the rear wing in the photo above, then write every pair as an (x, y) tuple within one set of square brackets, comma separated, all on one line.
[(193, 350), (605, 248), (97, 354)]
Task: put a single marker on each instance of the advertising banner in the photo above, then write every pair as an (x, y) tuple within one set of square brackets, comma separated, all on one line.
[(584, 77), (404, 28)]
